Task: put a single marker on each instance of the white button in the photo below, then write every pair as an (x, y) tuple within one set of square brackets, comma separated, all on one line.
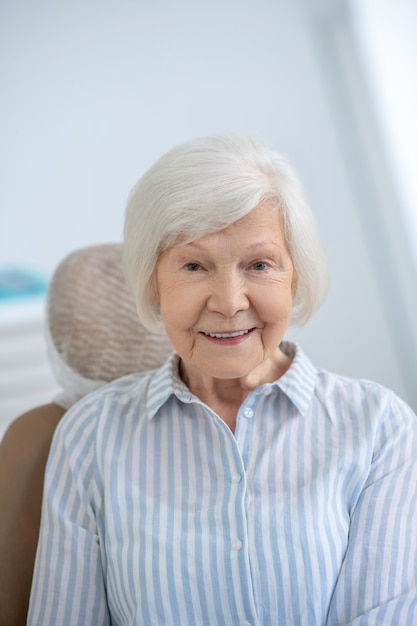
[(236, 544), (267, 391), (236, 478), (245, 624), (248, 412)]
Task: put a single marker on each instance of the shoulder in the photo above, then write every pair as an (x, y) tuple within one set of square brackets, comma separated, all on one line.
[(104, 406), (341, 397), (362, 399), (370, 419)]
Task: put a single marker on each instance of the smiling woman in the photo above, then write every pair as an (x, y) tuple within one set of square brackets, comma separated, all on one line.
[(237, 483), (225, 301)]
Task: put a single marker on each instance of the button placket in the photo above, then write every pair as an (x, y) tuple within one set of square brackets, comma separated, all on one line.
[(244, 426)]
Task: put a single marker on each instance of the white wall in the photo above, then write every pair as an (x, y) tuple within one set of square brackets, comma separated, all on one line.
[(93, 92), (386, 34)]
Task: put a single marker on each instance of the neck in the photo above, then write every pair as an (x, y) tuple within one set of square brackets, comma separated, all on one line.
[(225, 396)]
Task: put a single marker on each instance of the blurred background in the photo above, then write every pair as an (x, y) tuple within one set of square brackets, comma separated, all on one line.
[(92, 92)]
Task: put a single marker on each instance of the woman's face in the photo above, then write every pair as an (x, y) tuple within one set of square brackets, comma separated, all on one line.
[(226, 300)]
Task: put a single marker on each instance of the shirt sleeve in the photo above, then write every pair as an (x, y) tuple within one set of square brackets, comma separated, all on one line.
[(68, 585), (378, 579)]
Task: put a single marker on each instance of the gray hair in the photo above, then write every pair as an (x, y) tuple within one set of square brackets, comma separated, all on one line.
[(204, 185)]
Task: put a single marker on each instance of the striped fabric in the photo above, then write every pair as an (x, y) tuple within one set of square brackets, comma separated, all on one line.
[(155, 513)]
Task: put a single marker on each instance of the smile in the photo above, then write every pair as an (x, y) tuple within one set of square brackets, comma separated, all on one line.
[(238, 333)]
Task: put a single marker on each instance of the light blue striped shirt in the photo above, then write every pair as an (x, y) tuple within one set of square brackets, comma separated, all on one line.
[(156, 514)]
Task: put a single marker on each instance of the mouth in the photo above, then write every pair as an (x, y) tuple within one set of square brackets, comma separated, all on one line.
[(237, 333)]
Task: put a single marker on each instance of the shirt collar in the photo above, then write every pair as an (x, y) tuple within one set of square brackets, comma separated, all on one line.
[(298, 382), (164, 383)]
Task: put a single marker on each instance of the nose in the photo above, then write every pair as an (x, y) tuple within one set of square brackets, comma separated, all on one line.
[(228, 295)]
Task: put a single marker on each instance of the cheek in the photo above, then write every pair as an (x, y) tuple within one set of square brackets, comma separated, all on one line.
[(167, 294), (178, 307), (275, 304), (171, 311)]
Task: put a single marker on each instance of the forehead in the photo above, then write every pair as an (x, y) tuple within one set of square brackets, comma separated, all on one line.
[(260, 227)]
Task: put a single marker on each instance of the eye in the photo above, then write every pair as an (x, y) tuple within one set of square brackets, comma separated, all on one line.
[(192, 267), (260, 266)]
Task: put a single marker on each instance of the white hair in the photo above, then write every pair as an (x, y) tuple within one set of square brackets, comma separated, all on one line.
[(204, 185)]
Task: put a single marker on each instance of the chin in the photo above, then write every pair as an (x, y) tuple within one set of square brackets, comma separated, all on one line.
[(228, 373)]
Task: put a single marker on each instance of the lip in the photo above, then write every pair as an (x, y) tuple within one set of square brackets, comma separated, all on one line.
[(229, 337), (227, 334)]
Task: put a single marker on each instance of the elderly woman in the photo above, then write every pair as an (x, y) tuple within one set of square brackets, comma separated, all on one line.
[(237, 484)]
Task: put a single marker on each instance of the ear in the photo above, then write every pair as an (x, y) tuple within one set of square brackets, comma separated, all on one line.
[(294, 284), (153, 287)]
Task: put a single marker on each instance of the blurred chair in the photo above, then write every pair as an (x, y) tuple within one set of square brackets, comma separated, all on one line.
[(93, 337)]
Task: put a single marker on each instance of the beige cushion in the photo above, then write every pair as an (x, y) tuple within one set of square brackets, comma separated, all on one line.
[(94, 334)]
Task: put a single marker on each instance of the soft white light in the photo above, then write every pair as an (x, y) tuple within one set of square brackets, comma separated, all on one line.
[(387, 34)]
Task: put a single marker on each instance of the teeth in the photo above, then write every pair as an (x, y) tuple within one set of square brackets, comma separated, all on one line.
[(227, 335)]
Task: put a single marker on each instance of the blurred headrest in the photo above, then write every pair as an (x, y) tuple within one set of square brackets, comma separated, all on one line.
[(93, 332)]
